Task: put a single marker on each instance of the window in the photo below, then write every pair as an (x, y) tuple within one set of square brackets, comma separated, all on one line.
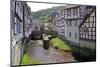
[(87, 20), (62, 31), (94, 24), (75, 35), (62, 21), (93, 29), (93, 33), (86, 36), (93, 37), (83, 36), (81, 33), (75, 22), (67, 22), (65, 12), (69, 12), (18, 4), (81, 29), (91, 19), (15, 29), (90, 29), (91, 24), (70, 23), (17, 26), (75, 11), (90, 33), (87, 24), (90, 37), (85, 30), (69, 34), (94, 18)]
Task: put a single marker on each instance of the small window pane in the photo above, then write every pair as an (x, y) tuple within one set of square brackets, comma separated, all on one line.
[(90, 37), (94, 37), (93, 29), (94, 19), (65, 11), (84, 24), (75, 12), (87, 24), (93, 33), (80, 29), (75, 35), (83, 36), (80, 32), (67, 23), (89, 29), (91, 19), (91, 24), (76, 22), (69, 12), (86, 36), (69, 34), (94, 25), (90, 33), (87, 20), (15, 29), (70, 23)]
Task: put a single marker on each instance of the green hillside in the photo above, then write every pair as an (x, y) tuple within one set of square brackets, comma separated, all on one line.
[(46, 12)]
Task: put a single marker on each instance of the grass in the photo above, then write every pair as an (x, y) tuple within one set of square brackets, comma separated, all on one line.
[(59, 44), (27, 60), (80, 53)]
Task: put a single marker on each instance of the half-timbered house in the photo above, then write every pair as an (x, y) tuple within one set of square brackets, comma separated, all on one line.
[(88, 28)]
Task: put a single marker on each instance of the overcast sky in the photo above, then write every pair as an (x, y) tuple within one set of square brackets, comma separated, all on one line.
[(39, 6)]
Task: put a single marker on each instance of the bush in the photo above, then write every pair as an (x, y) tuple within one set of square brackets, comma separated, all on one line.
[(27, 60), (59, 44), (85, 54)]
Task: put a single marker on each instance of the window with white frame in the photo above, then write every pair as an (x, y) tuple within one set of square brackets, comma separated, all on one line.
[(75, 23), (69, 12), (75, 11), (70, 23), (17, 26), (65, 11), (75, 35), (69, 34)]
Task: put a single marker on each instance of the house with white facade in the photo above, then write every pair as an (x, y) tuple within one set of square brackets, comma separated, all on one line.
[(72, 19)]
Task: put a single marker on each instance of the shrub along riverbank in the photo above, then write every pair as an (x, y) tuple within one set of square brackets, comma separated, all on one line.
[(80, 53), (59, 44), (26, 60)]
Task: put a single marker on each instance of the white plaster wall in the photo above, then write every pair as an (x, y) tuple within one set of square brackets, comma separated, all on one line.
[(73, 30)]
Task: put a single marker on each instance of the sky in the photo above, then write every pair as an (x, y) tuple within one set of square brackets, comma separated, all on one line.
[(39, 6)]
